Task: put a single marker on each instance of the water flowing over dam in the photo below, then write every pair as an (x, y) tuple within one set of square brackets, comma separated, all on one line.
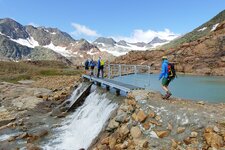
[(81, 127)]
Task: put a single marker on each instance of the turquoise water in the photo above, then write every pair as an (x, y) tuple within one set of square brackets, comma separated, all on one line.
[(207, 88)]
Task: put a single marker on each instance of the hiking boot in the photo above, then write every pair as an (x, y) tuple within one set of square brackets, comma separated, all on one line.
[(168, 94)]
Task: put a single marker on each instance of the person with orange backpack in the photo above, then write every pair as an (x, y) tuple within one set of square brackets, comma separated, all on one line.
[(167, 74), (101, 64)]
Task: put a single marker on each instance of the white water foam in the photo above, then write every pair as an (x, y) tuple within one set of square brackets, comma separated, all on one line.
[(82, 127)]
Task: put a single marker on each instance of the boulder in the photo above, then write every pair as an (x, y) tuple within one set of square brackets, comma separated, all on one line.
[(180, 130), (32, 147), (152, 114), (157, 118), (214, 140), (125, 145), (141, 116), (135, 132), (37, 135), (130, 96), (23, 136), (146, 125), (121, 118), (169, 127), (123, 131), (134, 117), (105, 141), (132, 102), (194, 134), (155, 122), (112, 142), (174, 144), (142, 143), (6, 121), (112, 125), (216, 129), (162, 134), (187, 140)]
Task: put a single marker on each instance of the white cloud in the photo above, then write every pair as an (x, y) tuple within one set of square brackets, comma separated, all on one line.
[(83, 30), (139, 35), (33, 24)]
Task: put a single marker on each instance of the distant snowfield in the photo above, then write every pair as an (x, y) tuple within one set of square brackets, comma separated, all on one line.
[(59, 49), (132, 47), (29, 42), (119, 50), (113, 52), (91, 52)]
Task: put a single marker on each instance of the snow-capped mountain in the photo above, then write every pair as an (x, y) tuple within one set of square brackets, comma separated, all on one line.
[(122, 47), (18, 42)]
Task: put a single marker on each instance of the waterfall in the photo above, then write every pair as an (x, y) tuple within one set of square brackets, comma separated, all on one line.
[(83, 126)]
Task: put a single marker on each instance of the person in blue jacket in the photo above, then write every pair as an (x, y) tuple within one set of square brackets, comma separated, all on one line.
[(92, 65), (165, 77), (101, 64)]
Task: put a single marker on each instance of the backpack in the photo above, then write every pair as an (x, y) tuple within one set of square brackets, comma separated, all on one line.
[(171, 71), (102, 63), (86, 63)]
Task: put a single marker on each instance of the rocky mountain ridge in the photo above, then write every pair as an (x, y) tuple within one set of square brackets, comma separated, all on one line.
[(17, 42), (122, 47), (203, 56)]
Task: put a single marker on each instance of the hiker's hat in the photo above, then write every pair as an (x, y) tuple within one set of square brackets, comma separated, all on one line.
[(164, 57)]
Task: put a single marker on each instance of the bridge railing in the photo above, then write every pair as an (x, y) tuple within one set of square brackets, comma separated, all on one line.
[(115, 70)]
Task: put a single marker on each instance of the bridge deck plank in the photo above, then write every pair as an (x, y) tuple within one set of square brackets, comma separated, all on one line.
[(114, 84)]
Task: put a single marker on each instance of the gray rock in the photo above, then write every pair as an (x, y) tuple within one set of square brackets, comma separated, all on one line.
[(121, 118), (112, 125)]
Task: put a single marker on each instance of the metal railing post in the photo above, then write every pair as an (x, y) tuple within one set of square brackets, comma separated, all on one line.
[(109, 73), (149, 69), (135, 69), (120, 70)]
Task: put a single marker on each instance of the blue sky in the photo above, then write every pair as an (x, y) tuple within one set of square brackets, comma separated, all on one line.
[(137, 20)]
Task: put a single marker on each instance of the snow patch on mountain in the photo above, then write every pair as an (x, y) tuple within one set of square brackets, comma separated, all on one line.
[(132, 47), (91, 52), (2, 33), (214, 26), (202, 29), (159, 44), (59, 49), (29, 42), (113, 51)]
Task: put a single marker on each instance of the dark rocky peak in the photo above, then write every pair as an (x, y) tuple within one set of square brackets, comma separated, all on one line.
[(57, 32), (122, 42), (107, 41), (84, 45), (157, 40), (45, 36), (140, 44), (13, 29)]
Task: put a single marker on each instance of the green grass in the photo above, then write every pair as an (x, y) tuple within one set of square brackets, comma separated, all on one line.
[(16, 71)]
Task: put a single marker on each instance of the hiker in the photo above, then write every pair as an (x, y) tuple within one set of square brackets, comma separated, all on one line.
[(101, 64), (165, 77), (92, 65), (86, 66)]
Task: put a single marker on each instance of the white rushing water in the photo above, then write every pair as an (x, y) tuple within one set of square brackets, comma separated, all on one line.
[(81, 128)]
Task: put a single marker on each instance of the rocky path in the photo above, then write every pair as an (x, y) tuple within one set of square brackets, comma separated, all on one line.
[(145, 121)]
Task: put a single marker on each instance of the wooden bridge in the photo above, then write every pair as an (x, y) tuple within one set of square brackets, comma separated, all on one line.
[(115, 70)]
